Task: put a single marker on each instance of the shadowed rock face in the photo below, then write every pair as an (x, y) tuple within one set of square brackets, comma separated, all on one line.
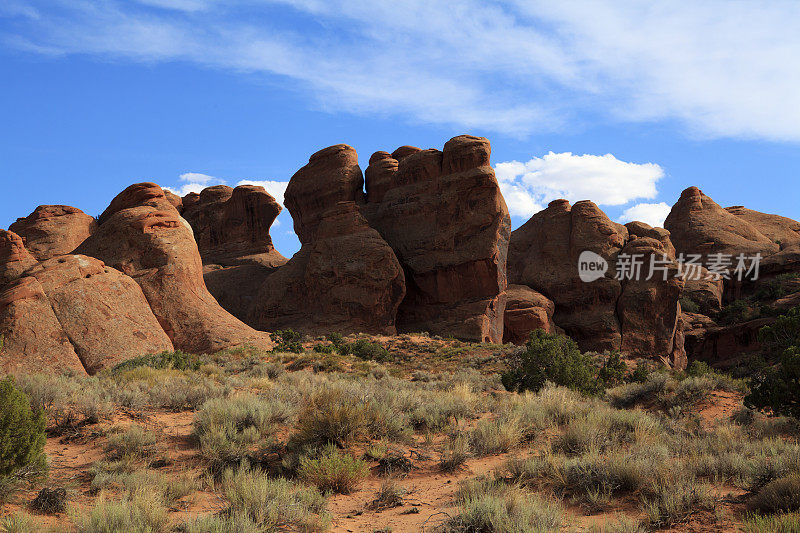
[(142, 235), (543, 255), (648, 309), (697, 225), (231, 226), (33, 339), (443, 215), (345, 277), (53, 230), (14, 257), (639, 317)]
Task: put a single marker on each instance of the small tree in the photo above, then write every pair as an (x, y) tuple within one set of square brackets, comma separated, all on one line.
[(22, 436), (553, 358), (778, 389)]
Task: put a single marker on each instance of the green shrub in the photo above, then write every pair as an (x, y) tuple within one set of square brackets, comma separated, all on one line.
[(784, 333), (613, 370), (176, 360), (287, 340), (739, 311), (335, 338), (333, 470), (324, 348), (688, 305), (368, 351), (22, 430), (554, 358)]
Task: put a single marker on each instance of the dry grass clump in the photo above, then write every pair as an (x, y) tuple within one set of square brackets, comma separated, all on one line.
[(133, 442), (228, 429), (266, 504), (672, 499), (139, 512), (491, 437), (785, 523), (491, 506), (455, 453), (332, 470), (68, 401), (780, 495), (389, 495)]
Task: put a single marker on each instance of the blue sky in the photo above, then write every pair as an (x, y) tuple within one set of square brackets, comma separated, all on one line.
[(623, 103)]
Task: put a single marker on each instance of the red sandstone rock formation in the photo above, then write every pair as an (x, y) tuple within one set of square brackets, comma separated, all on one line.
[(526, 311), (443, 215), (53, 230), (781, 230), (33, 339), (648, 309), (142, 235), (102, 311), (231, 227), (345, 277)]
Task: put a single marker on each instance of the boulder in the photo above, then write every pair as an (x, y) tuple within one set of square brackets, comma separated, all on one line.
[(33, 339), (443, 215), (648, 309), (543, 255), (53, 230), (781, 230), (142, 235), (14, 257), (697, 225), (345, 277), (102, 311), (526, 311)]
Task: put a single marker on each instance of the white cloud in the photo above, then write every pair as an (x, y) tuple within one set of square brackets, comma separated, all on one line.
[(275, 188), (653, 214), (196, 182), (604, 179), (724, 69)]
